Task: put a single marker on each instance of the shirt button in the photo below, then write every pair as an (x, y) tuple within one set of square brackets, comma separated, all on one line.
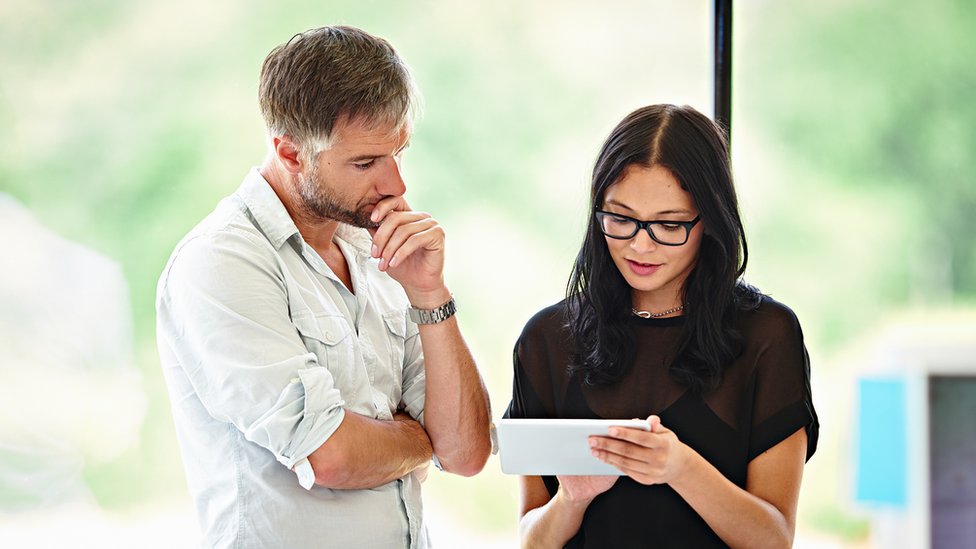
[(306, 477)]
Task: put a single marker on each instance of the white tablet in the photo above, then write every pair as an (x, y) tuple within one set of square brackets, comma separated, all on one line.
[(555, 446)]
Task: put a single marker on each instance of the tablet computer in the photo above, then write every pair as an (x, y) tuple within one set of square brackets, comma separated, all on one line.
[(555, 446)]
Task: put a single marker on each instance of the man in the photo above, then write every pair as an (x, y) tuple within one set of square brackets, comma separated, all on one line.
[(306, 332)]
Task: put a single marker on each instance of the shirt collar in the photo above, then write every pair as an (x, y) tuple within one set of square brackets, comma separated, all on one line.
[(275, 222), (356, 237), (269, 213)]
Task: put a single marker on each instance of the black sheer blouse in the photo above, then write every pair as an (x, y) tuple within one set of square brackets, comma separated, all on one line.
[(764, 397)]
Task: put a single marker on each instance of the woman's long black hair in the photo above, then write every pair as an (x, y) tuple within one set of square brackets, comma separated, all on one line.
[(693, 148)]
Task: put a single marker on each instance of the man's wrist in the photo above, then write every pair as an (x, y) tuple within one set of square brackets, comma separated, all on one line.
[(429, 299), (435, 315)]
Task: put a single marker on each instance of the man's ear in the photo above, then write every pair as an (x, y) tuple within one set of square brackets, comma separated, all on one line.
[(287, 153)]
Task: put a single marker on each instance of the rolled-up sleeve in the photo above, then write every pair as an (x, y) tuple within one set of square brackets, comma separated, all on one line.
[(223, 311), (414, 374)]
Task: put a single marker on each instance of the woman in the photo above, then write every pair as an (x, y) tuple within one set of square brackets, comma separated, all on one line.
[(658, 324)]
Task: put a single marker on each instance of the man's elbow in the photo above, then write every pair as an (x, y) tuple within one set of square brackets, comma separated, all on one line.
[(471, 463), (464, 468), (331, 471), (332, 478), (471, 469)]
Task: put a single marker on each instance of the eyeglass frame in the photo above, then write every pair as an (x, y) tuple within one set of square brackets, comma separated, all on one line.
[(646, 225)]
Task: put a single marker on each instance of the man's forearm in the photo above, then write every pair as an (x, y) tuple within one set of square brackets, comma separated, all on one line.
[(456, 409), (365, 453), (410, 246)]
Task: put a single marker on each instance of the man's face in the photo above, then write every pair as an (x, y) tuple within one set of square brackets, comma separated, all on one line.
[(362, 167)]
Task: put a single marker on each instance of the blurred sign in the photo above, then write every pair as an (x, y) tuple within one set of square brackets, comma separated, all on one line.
[(882, 443)]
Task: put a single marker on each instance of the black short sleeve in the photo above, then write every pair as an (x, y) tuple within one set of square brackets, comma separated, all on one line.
[(540, 360), (782, 401)]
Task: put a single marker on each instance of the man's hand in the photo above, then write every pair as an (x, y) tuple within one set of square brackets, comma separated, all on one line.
[(410, 247), (424, 468), (422, 471)]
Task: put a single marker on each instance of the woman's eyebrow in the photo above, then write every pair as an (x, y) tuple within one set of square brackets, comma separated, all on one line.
[(620, 204), (631, 210)]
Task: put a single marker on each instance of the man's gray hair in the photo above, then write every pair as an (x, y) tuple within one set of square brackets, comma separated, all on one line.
[(331, 75)]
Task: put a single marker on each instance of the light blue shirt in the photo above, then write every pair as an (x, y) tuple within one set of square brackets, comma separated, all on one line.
[(262, 356)]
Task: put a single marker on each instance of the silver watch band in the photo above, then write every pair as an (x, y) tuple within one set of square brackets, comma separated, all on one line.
[(435, 315)]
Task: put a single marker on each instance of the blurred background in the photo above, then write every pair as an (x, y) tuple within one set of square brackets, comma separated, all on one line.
[(123, 123)]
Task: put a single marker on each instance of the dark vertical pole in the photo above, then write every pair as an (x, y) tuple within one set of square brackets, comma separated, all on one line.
[(723, 66)]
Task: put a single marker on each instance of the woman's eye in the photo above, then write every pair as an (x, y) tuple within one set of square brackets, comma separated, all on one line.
[(670, 226), (619, 220)]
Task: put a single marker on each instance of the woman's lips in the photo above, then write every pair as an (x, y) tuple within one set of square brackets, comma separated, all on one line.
[(643, 269)]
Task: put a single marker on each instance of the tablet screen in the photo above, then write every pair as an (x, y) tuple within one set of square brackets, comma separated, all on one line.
[(555, 446)]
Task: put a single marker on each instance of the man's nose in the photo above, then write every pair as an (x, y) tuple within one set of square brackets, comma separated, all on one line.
[(392, 183)]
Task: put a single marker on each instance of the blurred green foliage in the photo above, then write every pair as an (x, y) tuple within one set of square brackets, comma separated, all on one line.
[(874, 100), (123, 124)]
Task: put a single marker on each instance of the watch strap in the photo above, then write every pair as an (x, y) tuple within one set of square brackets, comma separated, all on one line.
[(435, 315)]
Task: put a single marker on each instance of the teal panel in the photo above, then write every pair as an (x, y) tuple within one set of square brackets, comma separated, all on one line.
[(882, 443)]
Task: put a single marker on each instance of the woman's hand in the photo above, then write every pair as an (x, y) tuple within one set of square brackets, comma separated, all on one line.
[(582, 489), (648, 457), (550, 521)]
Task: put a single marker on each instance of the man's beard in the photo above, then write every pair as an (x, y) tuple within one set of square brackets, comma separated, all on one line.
[(316, 203)]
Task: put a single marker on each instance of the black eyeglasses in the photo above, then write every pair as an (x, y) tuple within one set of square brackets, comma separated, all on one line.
[(668, 233)]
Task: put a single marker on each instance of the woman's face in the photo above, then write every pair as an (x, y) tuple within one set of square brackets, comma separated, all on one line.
[(655, 272)]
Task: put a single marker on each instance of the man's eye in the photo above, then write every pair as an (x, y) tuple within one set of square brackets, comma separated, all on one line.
[(364, 165)]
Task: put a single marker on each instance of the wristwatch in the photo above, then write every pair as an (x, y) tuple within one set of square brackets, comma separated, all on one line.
[(435, 315)]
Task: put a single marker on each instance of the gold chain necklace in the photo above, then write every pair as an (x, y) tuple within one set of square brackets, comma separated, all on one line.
[(648, 314)]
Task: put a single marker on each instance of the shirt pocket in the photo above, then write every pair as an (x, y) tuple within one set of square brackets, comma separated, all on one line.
[(396, 325), (330, 339)]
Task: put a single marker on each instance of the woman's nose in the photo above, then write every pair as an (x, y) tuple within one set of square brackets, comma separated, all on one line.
[(642, 241)]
